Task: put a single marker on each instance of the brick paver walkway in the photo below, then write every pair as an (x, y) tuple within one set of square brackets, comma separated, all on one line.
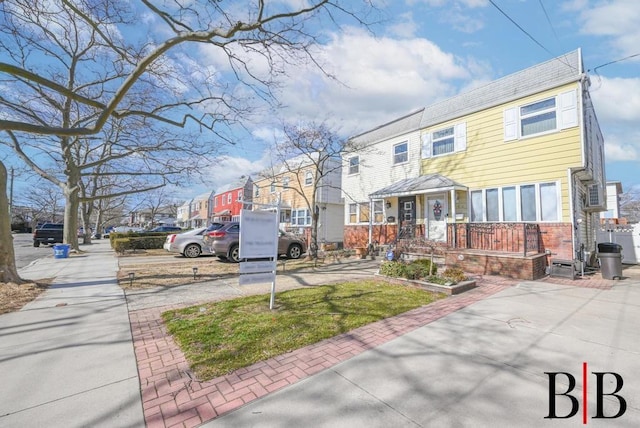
[(172, 398)]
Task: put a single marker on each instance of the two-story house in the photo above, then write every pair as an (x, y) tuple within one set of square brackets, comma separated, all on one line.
[(231, 199), (297, 183), (200, 210), (514, 166), (183, 214)]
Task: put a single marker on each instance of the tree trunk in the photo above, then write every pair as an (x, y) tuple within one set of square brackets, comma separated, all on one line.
[(71, 216), (8, 270)]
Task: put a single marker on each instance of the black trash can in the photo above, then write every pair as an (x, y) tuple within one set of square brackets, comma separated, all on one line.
[(610, 255), (609, 247)]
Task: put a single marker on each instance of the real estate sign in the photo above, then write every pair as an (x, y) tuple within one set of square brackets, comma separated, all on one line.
[(258, 234)]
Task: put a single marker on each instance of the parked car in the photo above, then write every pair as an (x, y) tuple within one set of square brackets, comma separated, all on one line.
[(125, 229), (225, 243), (48, 233), (189, 243), (166, 229)]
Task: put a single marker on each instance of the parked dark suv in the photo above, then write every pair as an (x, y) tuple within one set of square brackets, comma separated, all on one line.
[(225, 243)]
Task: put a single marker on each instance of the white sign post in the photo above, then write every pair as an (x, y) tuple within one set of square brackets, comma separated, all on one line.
[(259, 234)]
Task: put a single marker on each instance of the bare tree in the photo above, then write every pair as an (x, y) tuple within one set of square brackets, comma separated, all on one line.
[(630, 205), (311, 154), (94, 81)]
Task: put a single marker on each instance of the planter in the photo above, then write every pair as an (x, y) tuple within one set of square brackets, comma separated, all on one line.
[(450, 290), (361, 252)]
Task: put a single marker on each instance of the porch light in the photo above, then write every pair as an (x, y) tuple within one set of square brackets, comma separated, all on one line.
[(388, 204)]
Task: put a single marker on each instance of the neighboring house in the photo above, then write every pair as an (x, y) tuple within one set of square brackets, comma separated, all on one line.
[(614, 190), (147, 218), (184, 214), (200, 210), (515, 166), (290, 182), (231, 199)]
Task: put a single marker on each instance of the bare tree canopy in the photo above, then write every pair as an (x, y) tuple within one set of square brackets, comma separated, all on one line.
[(109, 88)]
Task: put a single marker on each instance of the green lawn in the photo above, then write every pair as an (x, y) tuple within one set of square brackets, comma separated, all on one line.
[(220, 337)]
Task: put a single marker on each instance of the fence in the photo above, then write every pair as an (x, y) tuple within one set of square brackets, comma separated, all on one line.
[(521, 238)]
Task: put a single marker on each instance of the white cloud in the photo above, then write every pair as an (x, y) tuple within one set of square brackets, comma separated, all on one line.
[(617, 105), (617, 19), (378, 79)]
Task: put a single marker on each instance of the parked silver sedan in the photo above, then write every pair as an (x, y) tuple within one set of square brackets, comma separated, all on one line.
[(189, 243)]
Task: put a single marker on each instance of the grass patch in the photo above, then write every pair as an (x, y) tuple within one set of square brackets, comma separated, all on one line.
[(221, 337)]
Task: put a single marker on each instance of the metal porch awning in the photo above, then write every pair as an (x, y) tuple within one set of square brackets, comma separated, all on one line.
[(430, 183)]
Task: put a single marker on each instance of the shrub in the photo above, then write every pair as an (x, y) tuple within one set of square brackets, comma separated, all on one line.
[(454, 275), (393, 269), (431, 269), (122, 244)]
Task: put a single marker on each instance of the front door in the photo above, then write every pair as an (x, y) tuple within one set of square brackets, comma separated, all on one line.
[(436, 215), (407, 211)]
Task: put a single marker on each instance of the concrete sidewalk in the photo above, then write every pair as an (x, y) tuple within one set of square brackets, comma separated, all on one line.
[(67, 358)]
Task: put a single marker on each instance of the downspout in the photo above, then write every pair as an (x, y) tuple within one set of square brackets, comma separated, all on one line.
[(370, 222)]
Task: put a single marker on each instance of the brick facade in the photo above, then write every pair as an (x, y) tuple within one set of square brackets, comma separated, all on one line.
[(508, 265)]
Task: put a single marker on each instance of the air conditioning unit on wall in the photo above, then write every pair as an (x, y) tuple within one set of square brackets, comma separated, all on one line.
[(594, 198)]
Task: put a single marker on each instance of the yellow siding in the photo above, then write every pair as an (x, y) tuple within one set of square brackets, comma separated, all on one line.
[(290, 196), (489, 161)]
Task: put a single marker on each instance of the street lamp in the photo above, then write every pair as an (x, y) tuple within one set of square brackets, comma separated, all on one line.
[(195, 272)]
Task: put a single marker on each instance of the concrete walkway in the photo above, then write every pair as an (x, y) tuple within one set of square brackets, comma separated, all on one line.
[(66, 359)]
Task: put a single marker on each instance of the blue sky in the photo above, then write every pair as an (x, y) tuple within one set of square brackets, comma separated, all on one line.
[(429, 50)]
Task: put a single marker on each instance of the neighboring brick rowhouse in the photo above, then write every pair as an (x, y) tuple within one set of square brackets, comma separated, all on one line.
[(507, 265), (557, 238)]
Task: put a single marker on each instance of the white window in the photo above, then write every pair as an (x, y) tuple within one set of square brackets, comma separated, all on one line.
[(215, 202), (400, 153), (300, 217), (353, 213), (540, 117), (445, 141), (229, 198), (354, 165), (378, 211), (273, 187), (256, 191), (239, 195), (363, 212), (285, 182), (308, 178), (529, 202)]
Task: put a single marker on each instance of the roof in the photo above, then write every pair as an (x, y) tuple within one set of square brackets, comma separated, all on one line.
[(423, 184), (556, 72)]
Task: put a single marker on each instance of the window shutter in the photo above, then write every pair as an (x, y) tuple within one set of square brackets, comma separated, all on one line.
[(426, 145), (460, 140), (568, 110), (510, 124)]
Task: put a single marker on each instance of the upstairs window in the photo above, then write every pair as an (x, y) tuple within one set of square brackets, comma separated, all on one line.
[(273, 187), (285, 182), (256, 191), (538, 117), (308, 178), (239, 195), (443, 141), (400, 153), (354, 165), (229, 198)]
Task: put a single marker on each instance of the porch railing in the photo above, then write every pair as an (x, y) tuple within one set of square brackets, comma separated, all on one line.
[(507, 237)]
